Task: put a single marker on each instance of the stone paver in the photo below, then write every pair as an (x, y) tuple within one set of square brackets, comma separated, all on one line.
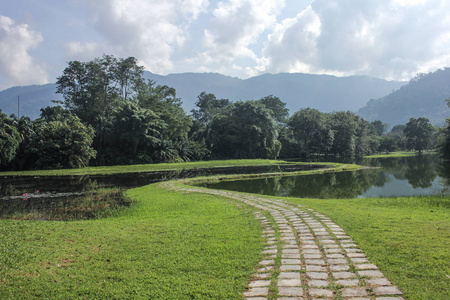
[(310, 251), (354, 292), (290, 291), (386, 290), (253, 292)]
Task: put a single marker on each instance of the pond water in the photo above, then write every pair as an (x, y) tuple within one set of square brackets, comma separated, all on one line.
[(75, 197), (82, 197), (407, 176)]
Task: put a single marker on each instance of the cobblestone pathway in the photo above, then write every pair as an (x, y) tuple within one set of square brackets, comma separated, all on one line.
[(307, 256)]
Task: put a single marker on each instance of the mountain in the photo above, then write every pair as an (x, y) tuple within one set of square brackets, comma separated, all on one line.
[(32, 98), (323, 92), (423, 96)]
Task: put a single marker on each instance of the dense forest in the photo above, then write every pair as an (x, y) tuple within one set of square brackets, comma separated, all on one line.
[(422, 97), (110, 115)]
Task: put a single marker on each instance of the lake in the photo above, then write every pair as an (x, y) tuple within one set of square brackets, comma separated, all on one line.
[(405, 176), (86, 197), (79, 197)]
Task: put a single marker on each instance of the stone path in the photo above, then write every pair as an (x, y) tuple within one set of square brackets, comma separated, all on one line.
[(307, 256)]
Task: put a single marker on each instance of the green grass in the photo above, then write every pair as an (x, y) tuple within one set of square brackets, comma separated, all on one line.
[(106, 170), (398, 154), (167, 246), (407, 238), (172, 245)]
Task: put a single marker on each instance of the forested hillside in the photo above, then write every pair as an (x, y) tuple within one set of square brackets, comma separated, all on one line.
[(322, 92), (32, 99), (423, 96), (111, 115)]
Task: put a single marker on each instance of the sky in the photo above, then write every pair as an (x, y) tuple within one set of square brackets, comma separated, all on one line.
[(389, 39)]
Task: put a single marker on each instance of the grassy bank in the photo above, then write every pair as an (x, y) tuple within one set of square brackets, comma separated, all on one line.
[(399, 154), (408, 238), (107, 170), (167, 246), (173, 245)]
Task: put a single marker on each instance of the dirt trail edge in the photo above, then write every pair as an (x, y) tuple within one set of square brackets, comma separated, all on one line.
[(306, 255)]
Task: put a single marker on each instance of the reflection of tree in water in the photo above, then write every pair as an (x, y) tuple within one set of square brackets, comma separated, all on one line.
[(443, 170), (335, 185), (421, 171), (328, 185)]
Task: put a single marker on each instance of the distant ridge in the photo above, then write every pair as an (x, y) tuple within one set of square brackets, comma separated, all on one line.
[(423, 96), (32, 99), (323, 92)]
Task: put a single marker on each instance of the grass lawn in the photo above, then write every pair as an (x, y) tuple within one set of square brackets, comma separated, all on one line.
[(407, 238), (106, 170), (168, 246), (399, 154), (173, 245)]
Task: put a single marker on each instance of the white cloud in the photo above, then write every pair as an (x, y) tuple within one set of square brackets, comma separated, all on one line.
[(83, 51), (17, 66), (235, 28), (388, 39), (150, 30)]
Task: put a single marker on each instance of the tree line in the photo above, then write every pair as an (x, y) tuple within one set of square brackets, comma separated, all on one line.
[(110, 115)]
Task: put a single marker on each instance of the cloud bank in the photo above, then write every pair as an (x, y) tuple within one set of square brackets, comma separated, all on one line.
[(387, 39), (391, 39), (17, 66)]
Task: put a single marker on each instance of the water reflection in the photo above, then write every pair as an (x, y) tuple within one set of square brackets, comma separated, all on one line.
[(48, 197), (407, 176)]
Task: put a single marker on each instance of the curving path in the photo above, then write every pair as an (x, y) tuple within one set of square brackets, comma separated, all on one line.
[(307, 256)]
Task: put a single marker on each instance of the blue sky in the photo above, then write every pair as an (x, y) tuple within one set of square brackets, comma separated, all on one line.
[(391, 39)]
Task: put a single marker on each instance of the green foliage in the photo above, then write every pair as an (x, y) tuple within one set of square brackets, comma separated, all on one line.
[(138, 122), (279, 112), (388, 144), (418, 133), (136, 130), (444, 147), (9, 140), (92, 89), (379, 127), (61, 143), (344, 126), (444, 143), (339, 133), (421, 97), (163, 102), (248, 131), (209, 106), (312, 131)]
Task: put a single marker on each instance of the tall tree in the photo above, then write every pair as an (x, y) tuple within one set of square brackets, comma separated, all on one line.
[(418, 133), (379, 127), (444, 145), (279, 112), (208, 106), (344, 126), (162, 101), (61, 142), (94, 88), (136, 133), (9, 139), (311, 129), (248, 131)]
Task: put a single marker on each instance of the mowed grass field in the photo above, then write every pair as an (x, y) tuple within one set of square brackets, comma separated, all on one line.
[(174, 245), (408, 238), (169, 245)]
